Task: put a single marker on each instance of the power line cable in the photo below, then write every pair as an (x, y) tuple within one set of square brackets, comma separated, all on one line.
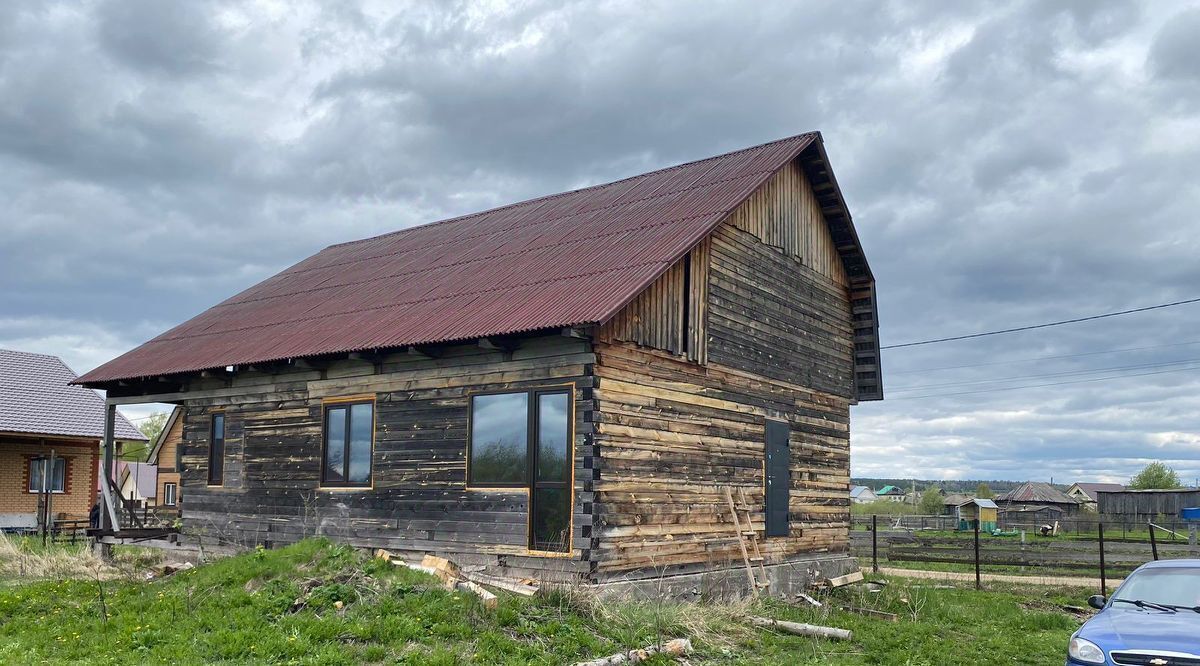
[(1046, 325), (1066, 373), (1014, 388), (1040, 358)]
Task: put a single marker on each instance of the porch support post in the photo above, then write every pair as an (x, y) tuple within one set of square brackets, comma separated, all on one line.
[(108, 512)]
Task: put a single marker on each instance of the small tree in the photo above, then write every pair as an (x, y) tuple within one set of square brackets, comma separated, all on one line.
[(931, 502), (1155, 476), (982, 491), (152, 425)]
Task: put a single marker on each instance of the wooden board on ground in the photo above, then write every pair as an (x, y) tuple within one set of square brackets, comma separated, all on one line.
[(848, 579)]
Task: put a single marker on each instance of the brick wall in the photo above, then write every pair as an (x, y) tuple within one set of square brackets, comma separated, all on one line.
[(81, 471)]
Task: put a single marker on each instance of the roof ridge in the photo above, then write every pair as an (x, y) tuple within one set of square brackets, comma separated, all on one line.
[(29, 353), (549, 197)]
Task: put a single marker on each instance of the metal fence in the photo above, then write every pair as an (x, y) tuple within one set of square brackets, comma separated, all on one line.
[(1096, 549), (1172, 529)]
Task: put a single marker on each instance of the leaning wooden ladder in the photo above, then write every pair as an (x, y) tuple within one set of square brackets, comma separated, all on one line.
[(745, 534)]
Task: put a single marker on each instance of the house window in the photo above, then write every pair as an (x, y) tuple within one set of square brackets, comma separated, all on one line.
[(349, 431), (58, 480), (169, 492), (216, 451), (523, 440), (499, 439)]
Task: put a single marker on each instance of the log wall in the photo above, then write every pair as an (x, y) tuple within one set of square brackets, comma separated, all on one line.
[(419, 501), (671, 433)]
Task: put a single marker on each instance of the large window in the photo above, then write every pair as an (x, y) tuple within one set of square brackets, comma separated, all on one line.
[(500, 439), (349, 430), (216, 451), (58, 479), (523, 440)]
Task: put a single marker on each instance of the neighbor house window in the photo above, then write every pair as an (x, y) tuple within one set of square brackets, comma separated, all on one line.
[(216, 451), (349, 430), (523, 440), (58, 479), (169, 492)]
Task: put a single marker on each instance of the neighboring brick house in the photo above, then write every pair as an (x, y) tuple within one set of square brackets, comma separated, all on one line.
[(165, 454), (41, 414)]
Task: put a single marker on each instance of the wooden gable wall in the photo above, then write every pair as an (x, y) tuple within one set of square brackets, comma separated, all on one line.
[(784, 214), (670, 314), (780, 237)]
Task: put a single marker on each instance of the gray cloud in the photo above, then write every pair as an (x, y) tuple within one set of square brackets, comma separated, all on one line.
[(1006, 164)]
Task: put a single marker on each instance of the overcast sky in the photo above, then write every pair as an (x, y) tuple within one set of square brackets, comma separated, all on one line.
[(1005, 163)]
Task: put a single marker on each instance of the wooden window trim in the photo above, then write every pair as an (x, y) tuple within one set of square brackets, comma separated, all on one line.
[(347, 403), (217, 481), (531, 460)]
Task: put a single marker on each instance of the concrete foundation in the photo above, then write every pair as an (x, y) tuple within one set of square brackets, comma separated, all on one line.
[(174, 550), (786, 581)]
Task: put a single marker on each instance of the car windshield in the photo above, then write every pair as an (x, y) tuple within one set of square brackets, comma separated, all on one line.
[(1174, 586)]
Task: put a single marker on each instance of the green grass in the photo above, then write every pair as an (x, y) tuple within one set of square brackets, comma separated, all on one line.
[(357, 610)]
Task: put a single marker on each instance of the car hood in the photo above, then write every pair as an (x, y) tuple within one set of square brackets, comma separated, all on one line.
[(1134, 628)]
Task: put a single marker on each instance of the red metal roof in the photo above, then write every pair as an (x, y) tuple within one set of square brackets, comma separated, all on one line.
[(562, 260)]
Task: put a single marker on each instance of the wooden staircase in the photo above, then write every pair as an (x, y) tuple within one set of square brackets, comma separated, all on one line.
[(756, 573)]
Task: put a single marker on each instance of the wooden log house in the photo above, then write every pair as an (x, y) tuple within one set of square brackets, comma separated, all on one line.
[(560, 388)]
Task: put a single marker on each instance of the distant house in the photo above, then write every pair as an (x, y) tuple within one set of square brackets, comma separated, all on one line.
[(49, 440), (165, 456), (890, 493), (138, 482), (1087, 494), (952, 501), (861, 495), (1037, 495)]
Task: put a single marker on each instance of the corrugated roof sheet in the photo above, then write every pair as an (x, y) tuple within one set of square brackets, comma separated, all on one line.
[(1035, 492), (562, 260), (36, 397)]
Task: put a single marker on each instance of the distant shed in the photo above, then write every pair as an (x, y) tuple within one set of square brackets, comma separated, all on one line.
[(1146, 504), (982, 510)]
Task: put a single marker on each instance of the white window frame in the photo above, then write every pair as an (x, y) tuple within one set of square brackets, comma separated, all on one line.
[(41, 461)]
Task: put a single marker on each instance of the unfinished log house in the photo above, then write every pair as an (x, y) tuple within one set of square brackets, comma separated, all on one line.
[(560, 388)]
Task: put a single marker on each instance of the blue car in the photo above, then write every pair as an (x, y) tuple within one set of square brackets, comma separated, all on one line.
[(1153, 619)]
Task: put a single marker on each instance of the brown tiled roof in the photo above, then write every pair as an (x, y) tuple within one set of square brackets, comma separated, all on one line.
[(563, 260), (36, 397)]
